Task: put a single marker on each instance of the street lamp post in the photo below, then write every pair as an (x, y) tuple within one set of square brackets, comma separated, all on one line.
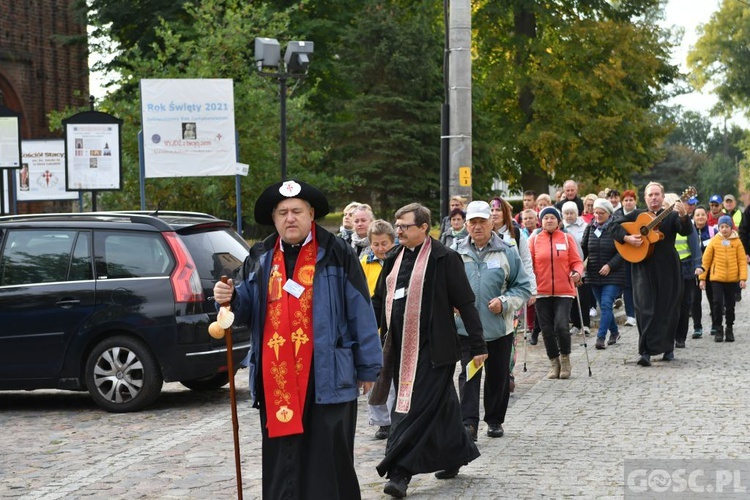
[(295, 65)]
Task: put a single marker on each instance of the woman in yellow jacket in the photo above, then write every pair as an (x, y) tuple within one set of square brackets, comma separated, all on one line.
[(725, 259)]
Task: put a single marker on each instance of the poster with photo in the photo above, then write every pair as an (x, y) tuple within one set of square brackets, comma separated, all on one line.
[(188, 127), (42, 173), (92, 148)]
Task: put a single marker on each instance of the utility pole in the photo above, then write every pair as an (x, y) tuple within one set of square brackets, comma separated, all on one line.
[(459, 100)]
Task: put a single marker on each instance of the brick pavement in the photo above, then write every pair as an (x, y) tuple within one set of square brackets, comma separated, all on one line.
[(564, 438)]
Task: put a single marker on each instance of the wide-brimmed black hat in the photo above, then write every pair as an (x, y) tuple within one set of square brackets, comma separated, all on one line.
[(275, 193)]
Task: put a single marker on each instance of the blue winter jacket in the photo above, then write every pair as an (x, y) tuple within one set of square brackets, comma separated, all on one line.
[(347, 346), (499, 272)]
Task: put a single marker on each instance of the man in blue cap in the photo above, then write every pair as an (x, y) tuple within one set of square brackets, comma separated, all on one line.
[(714, 209)]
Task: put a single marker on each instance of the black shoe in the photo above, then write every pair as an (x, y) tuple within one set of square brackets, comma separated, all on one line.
[(719, 335), (447, 473), (728, 334), (495, 430), (644, 360), (534, 339), (383, 432), (472, 430), (713, 330), (396, 487), (613, 338), (668, 356), (679, 344), (600, 343)]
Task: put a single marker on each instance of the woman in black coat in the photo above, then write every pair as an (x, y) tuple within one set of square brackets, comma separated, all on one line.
[(605, 269)]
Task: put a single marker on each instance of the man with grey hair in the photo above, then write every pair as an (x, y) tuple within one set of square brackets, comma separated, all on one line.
[(421, 284), (657, 279), (361, 218), (501, 286), (570, 193)]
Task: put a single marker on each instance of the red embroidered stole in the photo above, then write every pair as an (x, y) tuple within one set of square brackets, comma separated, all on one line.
[(410, 335), (288, 342)]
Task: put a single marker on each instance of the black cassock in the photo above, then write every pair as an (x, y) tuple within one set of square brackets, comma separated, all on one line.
[(657, 285), (431, 436)]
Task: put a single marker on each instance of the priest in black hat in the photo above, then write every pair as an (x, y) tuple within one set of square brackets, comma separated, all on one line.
[(315, 344)]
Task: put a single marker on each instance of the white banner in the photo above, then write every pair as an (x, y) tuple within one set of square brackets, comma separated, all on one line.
[(93, 156), (188, 127), (42, 174)]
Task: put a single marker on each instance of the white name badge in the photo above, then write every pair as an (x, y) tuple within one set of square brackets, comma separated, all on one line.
[(560, 246), (598, 233), (493, 264), (399, 294), (294, 288), (725, 243)]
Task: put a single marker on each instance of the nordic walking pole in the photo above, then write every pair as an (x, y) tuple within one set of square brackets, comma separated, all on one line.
[(525, 319), (583, 331), (216, 331)]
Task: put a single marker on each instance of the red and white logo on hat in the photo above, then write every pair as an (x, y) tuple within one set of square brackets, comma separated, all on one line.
[(290, 189)]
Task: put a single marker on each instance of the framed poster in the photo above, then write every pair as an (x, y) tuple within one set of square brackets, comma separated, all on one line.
[(10, 138), (42, 174), (93, 157)]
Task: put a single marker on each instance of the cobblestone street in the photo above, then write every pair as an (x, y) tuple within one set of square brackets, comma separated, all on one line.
[(563, 438)]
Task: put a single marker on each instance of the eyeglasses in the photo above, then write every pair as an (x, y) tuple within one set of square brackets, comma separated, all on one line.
[(403, 227)]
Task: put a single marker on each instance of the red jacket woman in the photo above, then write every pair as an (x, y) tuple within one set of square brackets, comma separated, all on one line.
[(557, 267)]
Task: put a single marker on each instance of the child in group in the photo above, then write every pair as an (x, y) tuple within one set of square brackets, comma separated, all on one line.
[(725, 259)]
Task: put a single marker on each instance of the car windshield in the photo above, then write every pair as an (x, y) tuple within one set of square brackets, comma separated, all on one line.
[(216, 253)]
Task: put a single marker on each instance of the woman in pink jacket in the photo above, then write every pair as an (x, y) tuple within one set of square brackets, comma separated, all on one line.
[(557, 267)]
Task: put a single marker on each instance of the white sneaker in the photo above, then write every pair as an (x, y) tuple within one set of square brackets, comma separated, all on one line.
[(574, 331), (630, 321), (592, 312)]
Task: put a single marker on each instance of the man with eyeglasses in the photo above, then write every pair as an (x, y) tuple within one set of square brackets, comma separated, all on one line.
[(714, 210), (421, 285)]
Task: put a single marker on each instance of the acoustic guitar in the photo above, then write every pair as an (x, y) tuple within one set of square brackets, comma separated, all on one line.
[(647, 225)]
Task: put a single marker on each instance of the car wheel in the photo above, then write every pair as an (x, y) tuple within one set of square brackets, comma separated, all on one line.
[(211, 383), (122, 375)]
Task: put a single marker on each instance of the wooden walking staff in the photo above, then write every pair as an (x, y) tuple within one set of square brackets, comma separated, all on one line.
[(222, 327)]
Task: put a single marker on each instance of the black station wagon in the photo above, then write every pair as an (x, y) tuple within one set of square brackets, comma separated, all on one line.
[(115, 303)]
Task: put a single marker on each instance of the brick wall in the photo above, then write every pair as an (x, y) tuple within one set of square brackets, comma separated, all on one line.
[(38, 71)]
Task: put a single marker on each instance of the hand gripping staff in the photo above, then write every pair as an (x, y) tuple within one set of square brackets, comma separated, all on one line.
[(583, 330), (218, 329)]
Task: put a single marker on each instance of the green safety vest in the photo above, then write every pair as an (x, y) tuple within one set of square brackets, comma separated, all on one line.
[(681, 244)]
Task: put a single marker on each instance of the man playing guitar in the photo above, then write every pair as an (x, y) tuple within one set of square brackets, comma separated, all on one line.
[(657, 280)]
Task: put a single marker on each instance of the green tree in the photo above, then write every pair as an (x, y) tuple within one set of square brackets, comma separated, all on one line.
[(692, 129), (219, 49), (118, 26), (570, 89), (719, 175), (720, 57), (385, 131)]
